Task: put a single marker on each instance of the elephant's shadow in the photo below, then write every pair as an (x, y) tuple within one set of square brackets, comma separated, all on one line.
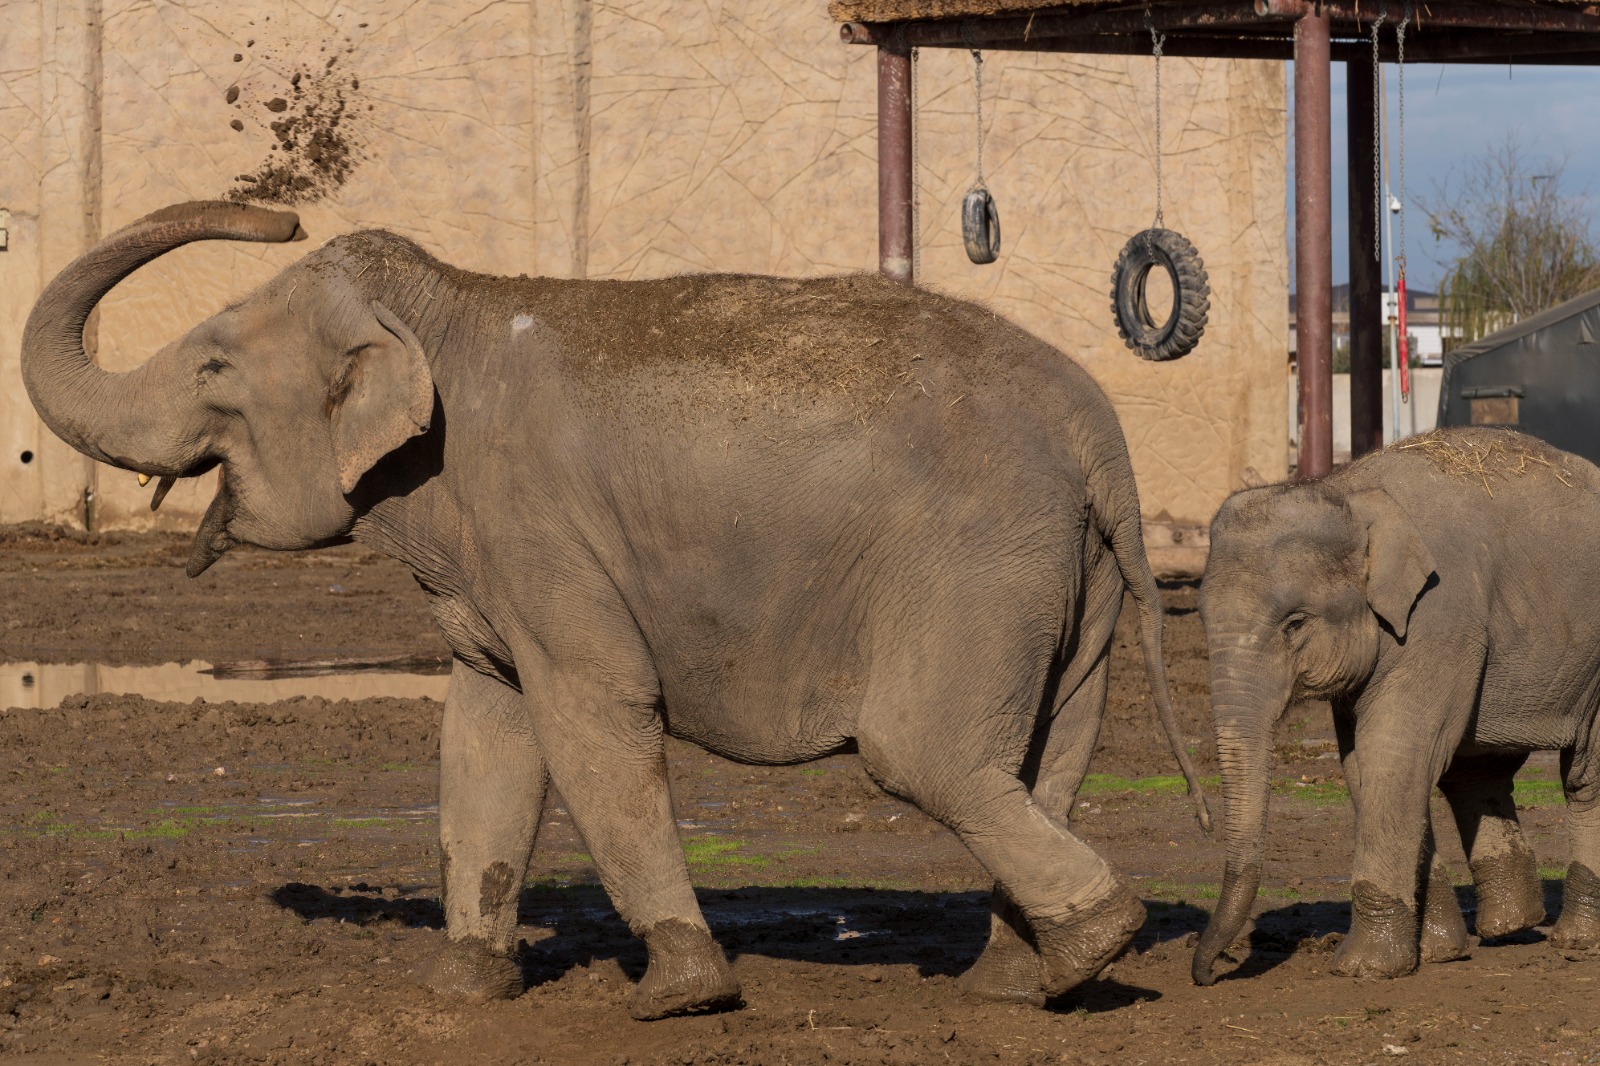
[(1319, 926), (939, 933)]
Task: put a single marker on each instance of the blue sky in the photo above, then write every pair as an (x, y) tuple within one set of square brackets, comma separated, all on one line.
[(1453, 114)]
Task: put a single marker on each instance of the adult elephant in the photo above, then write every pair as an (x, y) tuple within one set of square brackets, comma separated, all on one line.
[(1441, 595), (778, 518)]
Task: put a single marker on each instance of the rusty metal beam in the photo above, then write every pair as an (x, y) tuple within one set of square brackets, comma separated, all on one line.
[(894, 162), (1366, 274), (1251, 18), (1345, 14), (1313, 243), (1447, 46), (980, 33)]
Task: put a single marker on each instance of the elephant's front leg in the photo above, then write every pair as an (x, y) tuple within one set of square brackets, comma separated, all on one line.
[(1399, 756), (1504, 869), (605, 756), (1577, 931), (491, 791), (1443, 936)]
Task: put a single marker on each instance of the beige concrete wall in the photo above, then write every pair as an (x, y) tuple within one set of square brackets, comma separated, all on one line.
[(567, 137)]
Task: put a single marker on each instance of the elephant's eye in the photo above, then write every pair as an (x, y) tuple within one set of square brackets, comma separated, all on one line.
[(1293, 624), (212, 366)]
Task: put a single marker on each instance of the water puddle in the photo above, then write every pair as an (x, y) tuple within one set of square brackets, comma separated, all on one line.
[(36, 685)]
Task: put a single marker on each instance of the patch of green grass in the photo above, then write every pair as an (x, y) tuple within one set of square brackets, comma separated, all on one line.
[(1159, 785), (1320, 793), (713, 852), (877, 884), (184, 810), (166, 829), (1537, 793), (813, 771), (1553, 873), (575, 857), (365, 823), (396, 767)]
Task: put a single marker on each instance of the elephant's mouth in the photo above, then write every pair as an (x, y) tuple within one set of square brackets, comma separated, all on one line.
[(212, 539)]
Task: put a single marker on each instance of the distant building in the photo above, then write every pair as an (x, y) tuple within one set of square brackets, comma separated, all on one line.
[(1423, 327)]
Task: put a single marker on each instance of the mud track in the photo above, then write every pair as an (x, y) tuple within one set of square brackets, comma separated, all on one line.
[(257, 883)]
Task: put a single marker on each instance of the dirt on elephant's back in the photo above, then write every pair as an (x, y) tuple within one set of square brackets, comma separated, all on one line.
[(858, 340), (258, 882)]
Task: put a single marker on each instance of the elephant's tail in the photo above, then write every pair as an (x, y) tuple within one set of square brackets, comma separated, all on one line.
[(1115, 500)]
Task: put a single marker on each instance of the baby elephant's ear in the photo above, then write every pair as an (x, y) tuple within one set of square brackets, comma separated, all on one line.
[(381, 398), (1398, 563)]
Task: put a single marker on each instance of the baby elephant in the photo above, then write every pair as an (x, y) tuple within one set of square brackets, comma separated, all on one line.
[(1441, 594)]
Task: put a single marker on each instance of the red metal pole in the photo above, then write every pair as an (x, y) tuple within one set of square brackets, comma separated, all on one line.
[(1313, 243), (894, 161), (1366, 271)]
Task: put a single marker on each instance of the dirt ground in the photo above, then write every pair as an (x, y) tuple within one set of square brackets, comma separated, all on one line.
[(249, 883)]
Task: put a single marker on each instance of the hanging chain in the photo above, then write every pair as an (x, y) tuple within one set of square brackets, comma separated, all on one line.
[(1157, 41), (1400, 81), (1377, 137), (916, 169), (977, 84)]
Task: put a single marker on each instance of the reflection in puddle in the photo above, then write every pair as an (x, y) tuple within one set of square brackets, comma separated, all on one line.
[(35, 685)]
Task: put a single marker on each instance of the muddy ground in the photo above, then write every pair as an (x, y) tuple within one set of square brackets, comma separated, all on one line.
[(258, 883)]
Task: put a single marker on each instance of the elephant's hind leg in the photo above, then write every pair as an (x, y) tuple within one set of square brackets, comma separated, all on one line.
[(1504, 869), (1080, 913), (1010, 969), (491, 791), (1577, 932)]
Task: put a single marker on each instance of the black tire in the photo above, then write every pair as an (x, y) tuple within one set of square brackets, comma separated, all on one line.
[(980, 226), (1191, 295)]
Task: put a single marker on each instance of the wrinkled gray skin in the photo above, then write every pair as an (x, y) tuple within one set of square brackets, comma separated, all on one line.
[(780, 519), (1449, 617)]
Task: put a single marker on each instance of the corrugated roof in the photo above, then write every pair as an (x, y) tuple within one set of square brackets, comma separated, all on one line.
[(1527, 327)]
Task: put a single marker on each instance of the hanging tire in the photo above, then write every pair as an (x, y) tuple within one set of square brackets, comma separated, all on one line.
[(980, 226), (1191, 295)]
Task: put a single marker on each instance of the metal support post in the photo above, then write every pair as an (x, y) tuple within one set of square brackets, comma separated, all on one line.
[(1366, 264), (1313, 243), (894, 161)]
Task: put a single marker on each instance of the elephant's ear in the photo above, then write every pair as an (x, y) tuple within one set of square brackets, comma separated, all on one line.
[(381, 398), (1398, 563)]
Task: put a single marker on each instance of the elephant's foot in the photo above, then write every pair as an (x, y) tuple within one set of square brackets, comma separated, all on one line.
[(688, 974), (1075, 948), (1444, 931), (1577, 932), (1510, 894), (468, 968), (1383, 936), (1008, 971)]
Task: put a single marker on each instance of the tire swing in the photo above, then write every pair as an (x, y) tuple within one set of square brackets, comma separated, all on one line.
[(980, 218), (1177, 335)]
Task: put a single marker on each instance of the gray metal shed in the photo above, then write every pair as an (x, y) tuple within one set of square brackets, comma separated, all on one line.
[(1541, 376)]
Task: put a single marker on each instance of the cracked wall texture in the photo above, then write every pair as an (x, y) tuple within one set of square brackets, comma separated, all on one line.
[(582, 138)]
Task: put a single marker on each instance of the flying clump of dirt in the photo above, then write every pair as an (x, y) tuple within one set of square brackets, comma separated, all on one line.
[(313, 121)]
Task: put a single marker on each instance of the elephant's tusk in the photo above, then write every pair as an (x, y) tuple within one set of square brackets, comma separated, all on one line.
[(162, 488), (144, 479)]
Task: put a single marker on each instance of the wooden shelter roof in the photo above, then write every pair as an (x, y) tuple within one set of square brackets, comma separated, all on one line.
[(921, 10), (1544, 32)]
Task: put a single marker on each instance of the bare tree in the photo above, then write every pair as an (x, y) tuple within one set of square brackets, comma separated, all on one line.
[(1525, 245)]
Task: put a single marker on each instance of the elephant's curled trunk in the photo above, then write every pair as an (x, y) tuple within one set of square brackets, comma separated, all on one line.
[(125, 419)]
